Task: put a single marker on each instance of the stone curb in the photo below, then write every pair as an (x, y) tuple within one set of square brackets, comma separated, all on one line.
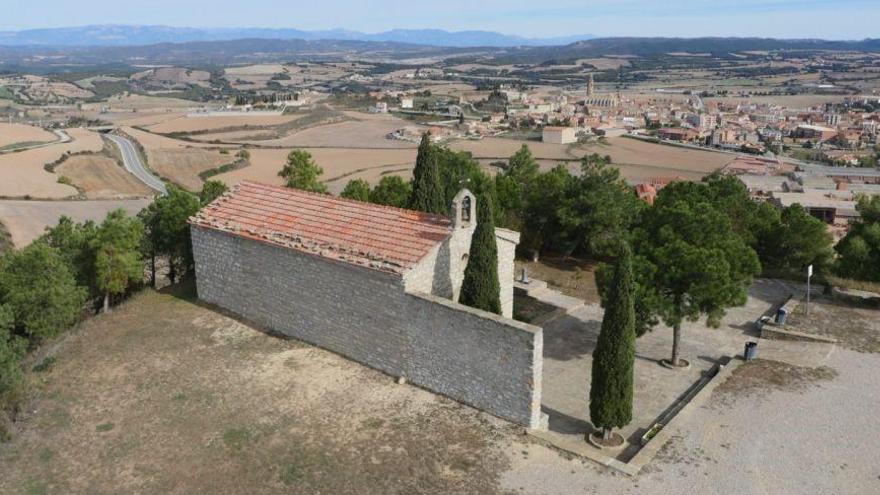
[(650, 450)]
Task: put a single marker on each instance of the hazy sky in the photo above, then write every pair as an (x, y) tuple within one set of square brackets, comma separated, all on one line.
[(833, 19)]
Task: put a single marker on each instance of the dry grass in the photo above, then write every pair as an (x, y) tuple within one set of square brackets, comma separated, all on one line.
[(141, 102), (183, 166), (155, 141), (637, 160), (141, 119), (761, 376), (571, 276), (11, 134), (340, 165), (363, 131), (165, 396), (22, 174), (26, 220), (255, 70), (193, 124), (173, 76), (855, 327), (237, 136), (100, 177)]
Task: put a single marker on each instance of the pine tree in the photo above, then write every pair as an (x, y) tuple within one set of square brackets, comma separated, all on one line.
[(611, 389), (427, 193), (480, 288)]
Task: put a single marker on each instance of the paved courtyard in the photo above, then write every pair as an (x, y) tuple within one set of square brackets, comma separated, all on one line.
[(568, 345)]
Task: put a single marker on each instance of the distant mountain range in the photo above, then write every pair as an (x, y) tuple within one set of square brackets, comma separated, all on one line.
[(119, 35)]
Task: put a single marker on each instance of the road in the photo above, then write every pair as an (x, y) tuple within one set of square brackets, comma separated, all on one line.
[(132, 161), (63, 137)]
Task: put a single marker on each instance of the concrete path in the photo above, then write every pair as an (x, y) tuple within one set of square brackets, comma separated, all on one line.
[(537, 289), (133, 164)]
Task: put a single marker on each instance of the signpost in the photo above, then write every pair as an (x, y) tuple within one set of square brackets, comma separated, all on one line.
[(809, 275)]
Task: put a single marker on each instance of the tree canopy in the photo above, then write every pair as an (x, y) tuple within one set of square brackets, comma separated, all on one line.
[(428, 194), (167, 231), (358, 189), (611, 386), (40, 291), (692, 261), (391, 190), (211, 190), (301, 172), (480, 288), (118, 263), (859, 251)]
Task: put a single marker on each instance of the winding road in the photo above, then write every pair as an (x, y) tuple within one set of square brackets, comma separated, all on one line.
[(132, 161)]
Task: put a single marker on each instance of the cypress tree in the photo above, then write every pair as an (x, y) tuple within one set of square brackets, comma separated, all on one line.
[(480, 288), (427, 193), (611, 390)]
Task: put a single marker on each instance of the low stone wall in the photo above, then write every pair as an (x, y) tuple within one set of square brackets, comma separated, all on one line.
[(483, 360)]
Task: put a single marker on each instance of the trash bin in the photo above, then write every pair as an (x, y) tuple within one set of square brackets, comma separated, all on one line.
[(781, 315), (751, 351)]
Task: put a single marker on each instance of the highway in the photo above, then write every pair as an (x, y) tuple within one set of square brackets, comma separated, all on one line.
[(133, 164)]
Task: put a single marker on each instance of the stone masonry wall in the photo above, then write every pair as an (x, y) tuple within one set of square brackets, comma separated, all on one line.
[(484, 360)]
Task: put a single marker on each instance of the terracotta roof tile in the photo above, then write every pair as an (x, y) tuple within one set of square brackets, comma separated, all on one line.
[(379, 237)]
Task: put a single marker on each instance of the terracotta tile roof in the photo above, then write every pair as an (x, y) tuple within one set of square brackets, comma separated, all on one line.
[(379, 237)]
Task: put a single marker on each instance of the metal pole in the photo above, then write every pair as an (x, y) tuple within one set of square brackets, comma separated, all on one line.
[(807, 307)]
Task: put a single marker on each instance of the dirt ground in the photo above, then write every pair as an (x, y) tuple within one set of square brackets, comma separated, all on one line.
[(191, 124), (164, 396), (183, 166), (637, 160), (101, 177), (362, 131), (857, 328), (150, 140), (27, 220), (11, 134), (22, 174), (340, 165), (571, 276), (761, 376)]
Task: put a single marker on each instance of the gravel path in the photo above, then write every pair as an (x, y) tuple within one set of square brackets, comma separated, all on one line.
[(819, 437)]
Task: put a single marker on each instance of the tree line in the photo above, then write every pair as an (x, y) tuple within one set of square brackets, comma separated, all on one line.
[(78, 269)]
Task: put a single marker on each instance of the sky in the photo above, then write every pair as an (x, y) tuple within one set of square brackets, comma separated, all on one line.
[(829, 19)]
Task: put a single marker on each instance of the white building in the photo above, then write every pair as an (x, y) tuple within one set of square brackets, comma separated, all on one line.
[(406, 103), (559, 135)]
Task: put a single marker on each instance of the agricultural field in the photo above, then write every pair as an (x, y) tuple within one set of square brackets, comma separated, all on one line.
[(183, 165), (361, 131), (27, 220), (188, 124), (40, 90), (340, 165), (142, 118), (24, 174), (637, 160), (139, 102), (181, 161), (171, 78), (20, 135), (101, 177)]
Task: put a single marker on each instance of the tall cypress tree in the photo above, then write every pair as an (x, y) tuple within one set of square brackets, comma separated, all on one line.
[(611, 390), (480, 288), (427, 193)]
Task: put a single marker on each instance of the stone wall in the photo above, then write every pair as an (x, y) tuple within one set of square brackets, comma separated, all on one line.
[(441, 272), (481, 359), (507, 240)]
